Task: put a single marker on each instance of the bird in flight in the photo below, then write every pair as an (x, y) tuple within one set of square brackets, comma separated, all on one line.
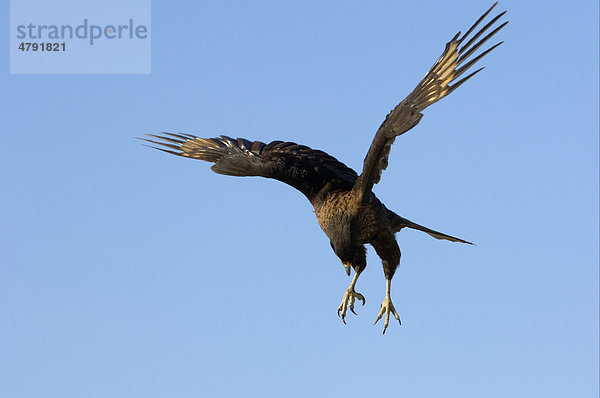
[(347, 210)]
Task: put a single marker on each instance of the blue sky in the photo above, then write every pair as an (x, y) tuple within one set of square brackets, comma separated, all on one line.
[(129, 273)]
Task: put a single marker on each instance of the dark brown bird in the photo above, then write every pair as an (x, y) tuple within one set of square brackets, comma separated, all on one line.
[(347, 210)]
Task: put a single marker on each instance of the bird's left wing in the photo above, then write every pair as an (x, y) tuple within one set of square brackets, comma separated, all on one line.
[(308, 170), (440, 80)]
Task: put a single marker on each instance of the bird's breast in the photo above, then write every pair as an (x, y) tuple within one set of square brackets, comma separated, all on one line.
[(343, 207), (337, 207)]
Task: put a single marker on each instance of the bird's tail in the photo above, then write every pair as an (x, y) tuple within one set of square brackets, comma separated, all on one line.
[(399, 222)]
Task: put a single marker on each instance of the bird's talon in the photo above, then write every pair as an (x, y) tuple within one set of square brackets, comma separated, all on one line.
[(386, 308), (348, 302)]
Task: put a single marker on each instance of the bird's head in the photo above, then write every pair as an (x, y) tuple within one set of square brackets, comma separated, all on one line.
[(345, 245)]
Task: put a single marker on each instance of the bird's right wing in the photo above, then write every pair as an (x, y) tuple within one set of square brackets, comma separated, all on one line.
[(439, 81), (306, 169)]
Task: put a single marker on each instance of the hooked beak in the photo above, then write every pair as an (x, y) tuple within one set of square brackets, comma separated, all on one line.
[(347, 266)]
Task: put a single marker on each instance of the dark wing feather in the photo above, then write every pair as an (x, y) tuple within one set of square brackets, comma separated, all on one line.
[(439, 81), (306, 169)]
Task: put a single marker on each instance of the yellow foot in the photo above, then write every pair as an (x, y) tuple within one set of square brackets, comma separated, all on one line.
[(348, 302), (386, 308)]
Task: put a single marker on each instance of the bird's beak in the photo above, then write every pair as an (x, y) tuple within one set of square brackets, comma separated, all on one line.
[(347, 266)]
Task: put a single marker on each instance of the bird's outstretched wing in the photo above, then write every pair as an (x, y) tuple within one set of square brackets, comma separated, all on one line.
[(441, 80), (306, 169)]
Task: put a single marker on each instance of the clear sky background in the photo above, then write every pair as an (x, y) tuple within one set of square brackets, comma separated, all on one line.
[(126, 272)]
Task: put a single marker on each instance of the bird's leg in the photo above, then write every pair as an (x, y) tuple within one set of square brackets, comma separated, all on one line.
[(349, 298), (387, 307)]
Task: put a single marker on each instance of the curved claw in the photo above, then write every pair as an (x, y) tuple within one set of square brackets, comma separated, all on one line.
[(343, 314), (386, 308), (360, 297), (342, 308), (348, 302)]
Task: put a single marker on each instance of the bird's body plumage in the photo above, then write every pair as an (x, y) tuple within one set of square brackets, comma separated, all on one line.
[(346, 208)]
